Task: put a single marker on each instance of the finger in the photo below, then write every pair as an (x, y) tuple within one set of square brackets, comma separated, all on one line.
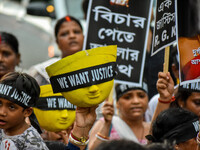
[(107, 104), (163, 75), (170, 78), (108, 109), (161, 86)]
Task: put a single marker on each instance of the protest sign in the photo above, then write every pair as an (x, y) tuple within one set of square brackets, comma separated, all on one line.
[(127, 27), (165, 25), (189, 44)]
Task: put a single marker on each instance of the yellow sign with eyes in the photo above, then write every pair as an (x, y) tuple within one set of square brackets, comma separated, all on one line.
[(86, 77), (53, 111)]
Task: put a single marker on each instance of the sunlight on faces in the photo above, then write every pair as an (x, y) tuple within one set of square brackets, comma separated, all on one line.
[(91, 95), (51, 117)]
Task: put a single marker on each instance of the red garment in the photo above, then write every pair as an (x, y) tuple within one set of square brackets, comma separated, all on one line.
[(192, 69)]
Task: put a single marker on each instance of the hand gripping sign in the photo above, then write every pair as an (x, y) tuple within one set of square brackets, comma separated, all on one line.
[(53, 111), (86, 77)]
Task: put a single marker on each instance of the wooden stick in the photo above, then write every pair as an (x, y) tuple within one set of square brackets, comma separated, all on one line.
[(166, 60), (110, 97)]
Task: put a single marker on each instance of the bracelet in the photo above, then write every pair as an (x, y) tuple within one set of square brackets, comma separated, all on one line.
[(78, 142), (100, 138), (81, 139), (165, 102)]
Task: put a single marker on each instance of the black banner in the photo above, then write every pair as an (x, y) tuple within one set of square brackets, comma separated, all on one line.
[(83, 78), (193, 86), (125, 26), (11, 93), (54, 103), (165, 25)]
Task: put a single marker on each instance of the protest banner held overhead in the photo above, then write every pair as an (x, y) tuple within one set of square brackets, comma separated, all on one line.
[(126, 25), (165, 25), (189, 44)]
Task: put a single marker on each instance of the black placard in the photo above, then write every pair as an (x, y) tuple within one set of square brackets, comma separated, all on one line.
[(165, 25), (125, 26)]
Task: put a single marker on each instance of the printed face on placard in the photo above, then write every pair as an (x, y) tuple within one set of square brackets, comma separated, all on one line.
[(89, 96), (55, 120), (85, 78)]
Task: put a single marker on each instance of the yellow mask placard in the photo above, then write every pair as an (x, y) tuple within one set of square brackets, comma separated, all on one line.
[(86, 77), (53, 111)]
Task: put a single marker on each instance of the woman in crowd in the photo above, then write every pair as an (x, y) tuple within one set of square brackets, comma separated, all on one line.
[(167, 124), (131, 103), (9, 53), (69, 38), (189, 100), (178, 126), (184, 98)]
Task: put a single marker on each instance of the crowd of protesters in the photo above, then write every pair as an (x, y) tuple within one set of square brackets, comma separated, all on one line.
[(128, 122)]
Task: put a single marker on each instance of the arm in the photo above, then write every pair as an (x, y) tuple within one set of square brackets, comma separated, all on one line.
[(85, 118), (165, 87), (102, 127)]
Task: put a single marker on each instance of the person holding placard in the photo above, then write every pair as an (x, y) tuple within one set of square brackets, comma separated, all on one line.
[(131, 103), (181, 131)]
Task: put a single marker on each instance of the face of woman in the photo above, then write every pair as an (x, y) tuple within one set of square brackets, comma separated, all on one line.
[(70, 38), (133, 104), (188, 145), (8, 59), (193, 103)]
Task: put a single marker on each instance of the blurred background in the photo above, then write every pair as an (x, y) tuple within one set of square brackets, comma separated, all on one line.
[(32, 22)]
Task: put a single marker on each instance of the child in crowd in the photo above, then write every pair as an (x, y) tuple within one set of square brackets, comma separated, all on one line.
[(18, 93)]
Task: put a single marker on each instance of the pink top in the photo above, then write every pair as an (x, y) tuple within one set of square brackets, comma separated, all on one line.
[(115, 136)]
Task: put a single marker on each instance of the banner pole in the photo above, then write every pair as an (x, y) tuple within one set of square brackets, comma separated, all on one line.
[(110, 97), (166, 60)]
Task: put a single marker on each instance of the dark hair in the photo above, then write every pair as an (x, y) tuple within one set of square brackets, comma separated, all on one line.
[(55, 145), (171, 125), (64, 19), (119, 144), (181, 95), (161, 146), (11, 40), (121, 89), (23, 82)]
